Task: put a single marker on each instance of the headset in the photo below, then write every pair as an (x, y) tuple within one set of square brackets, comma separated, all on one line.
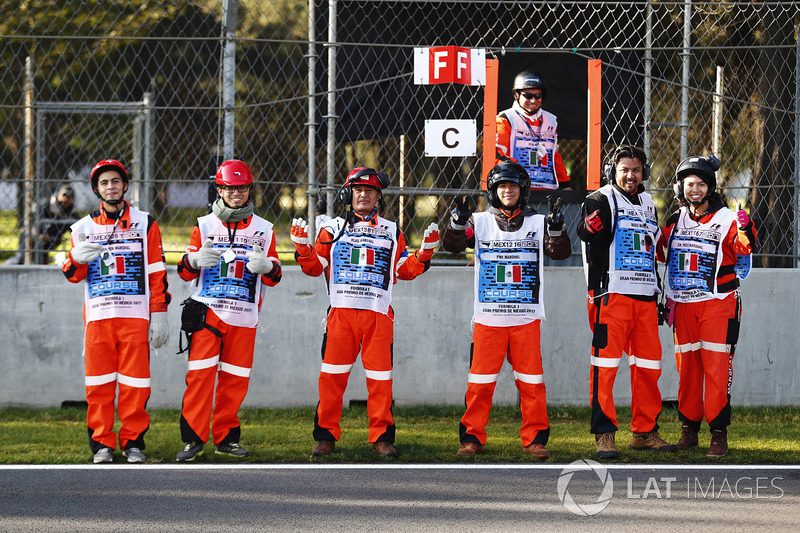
[(345, 194), (610, 168)]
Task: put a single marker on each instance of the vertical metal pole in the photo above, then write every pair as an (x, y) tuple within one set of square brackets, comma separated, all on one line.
[(137, 190), (797, 150), (229, 17), (312, 118), (686, 53), (29, 200), (145, 201), (648, 83), (401, 197), (331, 116), (716, 142), (144, 152)]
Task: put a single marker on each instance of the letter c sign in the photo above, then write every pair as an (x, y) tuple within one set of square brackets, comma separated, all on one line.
[(450, 138)]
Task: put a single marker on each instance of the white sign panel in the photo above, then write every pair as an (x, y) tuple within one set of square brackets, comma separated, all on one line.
[(449, 64), (450, 138)]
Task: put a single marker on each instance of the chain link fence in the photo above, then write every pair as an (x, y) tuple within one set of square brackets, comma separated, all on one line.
[(170, 88)]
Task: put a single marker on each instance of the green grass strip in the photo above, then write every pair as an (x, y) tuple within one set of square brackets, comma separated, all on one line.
[(425, 435)]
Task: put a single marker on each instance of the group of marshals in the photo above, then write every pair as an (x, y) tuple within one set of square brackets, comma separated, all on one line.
[(231, 259)]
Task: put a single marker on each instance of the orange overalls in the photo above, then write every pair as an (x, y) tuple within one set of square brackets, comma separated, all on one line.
[(116, 349), (220, 353), (706, 332), (349, 330)]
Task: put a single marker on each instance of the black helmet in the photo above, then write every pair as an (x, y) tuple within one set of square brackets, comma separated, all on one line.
[(704, 167), (508, 171), (528, 79)]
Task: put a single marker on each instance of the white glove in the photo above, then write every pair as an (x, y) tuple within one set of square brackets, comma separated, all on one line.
[(258, 263), (205, 257), (60, 259), (85, 251), (159, 329)]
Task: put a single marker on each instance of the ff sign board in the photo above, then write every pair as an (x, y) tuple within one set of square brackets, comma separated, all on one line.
[(449, 64), (450, 138)]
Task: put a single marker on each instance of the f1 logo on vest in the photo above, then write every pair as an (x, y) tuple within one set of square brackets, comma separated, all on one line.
[(449, 64)]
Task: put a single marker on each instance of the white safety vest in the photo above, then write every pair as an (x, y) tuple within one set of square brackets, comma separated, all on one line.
[(117, 282), (361, 272), (695, 255), (508, 271), (631, 256), (525, 141), (229, 288)]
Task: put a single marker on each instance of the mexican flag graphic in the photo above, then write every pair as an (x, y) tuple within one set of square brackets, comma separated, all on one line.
[(509, 274), (640, 243), (687, 262), (362, 256), (117, 268), (234, 269)]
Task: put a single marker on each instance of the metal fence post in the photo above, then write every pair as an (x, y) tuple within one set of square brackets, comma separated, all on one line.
[(229, 17)]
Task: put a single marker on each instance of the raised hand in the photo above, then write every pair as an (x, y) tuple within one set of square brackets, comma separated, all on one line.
[(299, 234), (555, 218), (430, 241), (460, 214)]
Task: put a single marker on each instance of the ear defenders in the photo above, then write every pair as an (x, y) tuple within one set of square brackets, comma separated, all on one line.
[(361, 176)]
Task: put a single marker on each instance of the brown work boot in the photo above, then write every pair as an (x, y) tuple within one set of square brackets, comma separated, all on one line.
[(384, 449), (605, 445), (470, 448), (537, 450), (719, 443), (323, 447), (688, 440), (651, 441)]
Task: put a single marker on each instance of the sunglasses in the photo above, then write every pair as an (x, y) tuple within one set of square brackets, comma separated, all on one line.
[(231, 188), (531, 96)]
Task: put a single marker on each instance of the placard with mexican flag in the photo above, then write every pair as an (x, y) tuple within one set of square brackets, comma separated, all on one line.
[(508, 274)]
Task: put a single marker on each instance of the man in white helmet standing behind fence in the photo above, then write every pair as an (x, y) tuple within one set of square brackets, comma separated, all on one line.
[(117, 251)]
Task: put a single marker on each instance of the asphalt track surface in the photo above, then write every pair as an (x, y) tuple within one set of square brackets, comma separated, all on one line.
[(400, 498)]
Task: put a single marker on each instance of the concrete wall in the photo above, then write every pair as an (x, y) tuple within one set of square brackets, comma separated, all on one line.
[(42, 332)]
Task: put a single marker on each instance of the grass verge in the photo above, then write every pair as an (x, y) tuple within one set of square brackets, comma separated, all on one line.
[(425, 434)]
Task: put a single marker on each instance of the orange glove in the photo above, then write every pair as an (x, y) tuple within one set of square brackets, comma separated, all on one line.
[(299, 233), (429, 243)]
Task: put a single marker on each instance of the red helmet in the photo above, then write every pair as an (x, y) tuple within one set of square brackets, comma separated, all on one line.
[(364, 176), (108, 164), (233, 172)]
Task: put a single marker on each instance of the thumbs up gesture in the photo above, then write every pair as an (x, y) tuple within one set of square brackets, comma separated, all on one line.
[(205, 257), (85, 251), (742, 218), (257, 262)]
